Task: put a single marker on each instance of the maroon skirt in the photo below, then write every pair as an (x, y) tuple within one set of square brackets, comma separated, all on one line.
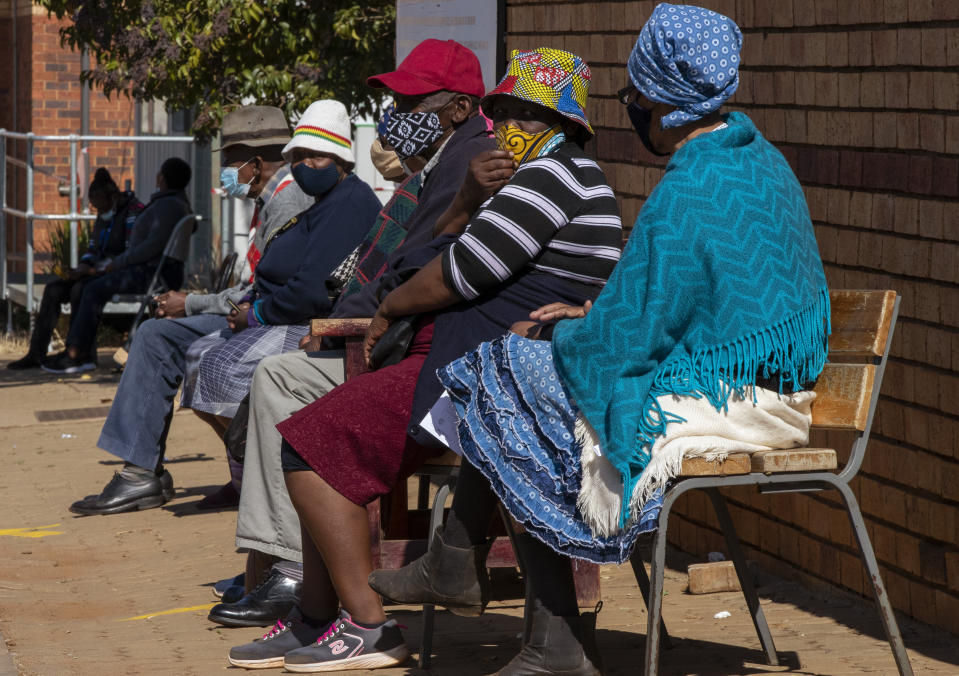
[(355, 437)]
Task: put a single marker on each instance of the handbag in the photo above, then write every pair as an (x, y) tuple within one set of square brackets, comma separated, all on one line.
[(394, 343)]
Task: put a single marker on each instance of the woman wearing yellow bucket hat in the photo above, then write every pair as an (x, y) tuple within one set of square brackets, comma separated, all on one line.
[(553, 226)]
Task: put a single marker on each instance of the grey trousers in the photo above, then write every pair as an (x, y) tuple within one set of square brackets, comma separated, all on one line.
[(282, 385)]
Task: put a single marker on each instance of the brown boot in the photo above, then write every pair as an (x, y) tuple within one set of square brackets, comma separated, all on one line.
[(447, 576), (555, 647)]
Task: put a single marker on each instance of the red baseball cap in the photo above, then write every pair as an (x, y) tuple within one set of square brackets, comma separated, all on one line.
[(434, 65)]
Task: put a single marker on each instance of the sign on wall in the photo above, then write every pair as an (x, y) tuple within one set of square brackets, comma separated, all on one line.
[(473, 23)]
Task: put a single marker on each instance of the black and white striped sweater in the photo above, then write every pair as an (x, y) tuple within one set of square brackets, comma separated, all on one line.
[(557, 215)]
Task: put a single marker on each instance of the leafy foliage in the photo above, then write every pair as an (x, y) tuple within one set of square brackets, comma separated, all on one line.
[(58, 245), (212, 55)]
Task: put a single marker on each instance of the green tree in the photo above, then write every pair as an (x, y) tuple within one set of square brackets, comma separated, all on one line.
[(212, 55)]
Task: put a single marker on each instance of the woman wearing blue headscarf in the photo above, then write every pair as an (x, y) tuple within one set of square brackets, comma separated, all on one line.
[(701, 342)]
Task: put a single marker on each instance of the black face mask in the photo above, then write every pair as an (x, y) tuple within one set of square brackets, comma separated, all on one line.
[(641, 118)]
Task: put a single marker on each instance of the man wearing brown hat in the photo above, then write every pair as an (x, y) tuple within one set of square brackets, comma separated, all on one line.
[(139, 419)]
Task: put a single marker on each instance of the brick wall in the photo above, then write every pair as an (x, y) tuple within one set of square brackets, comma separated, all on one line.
[(48, 99), (862, 98)]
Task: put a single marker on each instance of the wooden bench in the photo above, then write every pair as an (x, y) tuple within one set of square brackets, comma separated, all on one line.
[(846, 395)]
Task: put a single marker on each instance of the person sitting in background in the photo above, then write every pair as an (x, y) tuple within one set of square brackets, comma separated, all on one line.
[(116, 212), (132, 270), (302, 275), (136, 427), (701, 343)]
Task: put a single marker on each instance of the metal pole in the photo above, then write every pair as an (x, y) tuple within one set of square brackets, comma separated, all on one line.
[(3, 230), (29, 242), (73, 200)]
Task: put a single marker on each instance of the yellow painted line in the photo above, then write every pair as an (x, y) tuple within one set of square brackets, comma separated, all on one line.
[(190, 609), (35, 532)]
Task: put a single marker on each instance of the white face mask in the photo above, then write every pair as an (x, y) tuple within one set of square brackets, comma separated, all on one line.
[(107, 215)]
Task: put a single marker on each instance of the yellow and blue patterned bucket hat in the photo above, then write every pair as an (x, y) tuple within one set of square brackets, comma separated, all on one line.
[(553, 78)]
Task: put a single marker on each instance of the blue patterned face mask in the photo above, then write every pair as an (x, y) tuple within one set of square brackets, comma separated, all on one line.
[(230, 179)]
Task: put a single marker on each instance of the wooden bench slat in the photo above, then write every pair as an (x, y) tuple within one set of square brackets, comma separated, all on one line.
[(735, 463), (794, 460), (843, 392), (860, 322), (339, 327)]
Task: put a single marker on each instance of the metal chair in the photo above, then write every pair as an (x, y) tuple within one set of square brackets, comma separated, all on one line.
[(847, 393), (156, 282)]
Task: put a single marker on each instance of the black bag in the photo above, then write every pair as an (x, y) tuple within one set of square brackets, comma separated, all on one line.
[(394, 343), (234, 437)]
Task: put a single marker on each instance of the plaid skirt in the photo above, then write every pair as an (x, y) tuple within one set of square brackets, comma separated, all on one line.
[(220, 366), (516, 424)]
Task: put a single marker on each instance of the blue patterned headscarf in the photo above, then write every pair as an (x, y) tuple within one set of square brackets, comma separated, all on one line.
[(688, 57)]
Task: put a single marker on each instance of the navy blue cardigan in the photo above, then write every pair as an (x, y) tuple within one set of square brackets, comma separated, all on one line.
[(290, 280)]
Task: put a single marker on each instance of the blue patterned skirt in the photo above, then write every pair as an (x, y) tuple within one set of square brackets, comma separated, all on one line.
[(516, 425), (219, 367)]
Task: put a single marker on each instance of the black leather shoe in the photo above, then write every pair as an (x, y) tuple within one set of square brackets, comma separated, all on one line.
[(126, 494), (263, 606)]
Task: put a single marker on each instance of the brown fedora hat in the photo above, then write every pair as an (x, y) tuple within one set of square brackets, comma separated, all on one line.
[(254, 126)]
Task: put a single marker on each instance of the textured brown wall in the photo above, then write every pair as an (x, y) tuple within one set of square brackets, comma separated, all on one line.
[(862, 97)]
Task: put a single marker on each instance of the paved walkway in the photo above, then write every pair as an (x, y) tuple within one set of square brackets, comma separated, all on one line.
[(129, 593)]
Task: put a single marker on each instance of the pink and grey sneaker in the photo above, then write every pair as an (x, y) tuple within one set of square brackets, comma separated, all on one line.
[(267, 651), (347, 645)]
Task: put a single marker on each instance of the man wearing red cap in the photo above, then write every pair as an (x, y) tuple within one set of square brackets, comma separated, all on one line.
[(435, 130)]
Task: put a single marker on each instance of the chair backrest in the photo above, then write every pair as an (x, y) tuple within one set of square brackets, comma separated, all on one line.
[(847, 391), (224, 274)]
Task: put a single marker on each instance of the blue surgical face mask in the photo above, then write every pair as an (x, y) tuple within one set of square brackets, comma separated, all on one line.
[(230, 178), (316, 182)]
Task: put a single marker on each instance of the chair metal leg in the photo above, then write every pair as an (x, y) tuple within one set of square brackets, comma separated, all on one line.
[(745, 579), (642, 581), (654, 604), (879, 589), (436, 520)]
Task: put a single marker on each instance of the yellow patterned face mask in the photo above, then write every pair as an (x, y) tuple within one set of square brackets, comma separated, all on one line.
[(524, 146)]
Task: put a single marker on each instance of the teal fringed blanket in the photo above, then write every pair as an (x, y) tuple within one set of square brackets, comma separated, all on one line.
[(720, 282)]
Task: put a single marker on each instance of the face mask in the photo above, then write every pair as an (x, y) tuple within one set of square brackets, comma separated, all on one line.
[(412, 134), (524, 146), (641, 118), (107, 215), (316, 182), (386, 162), (230, 178)]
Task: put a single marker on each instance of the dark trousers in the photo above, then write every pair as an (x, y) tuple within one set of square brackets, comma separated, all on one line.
[(55, 294), (99, 291)]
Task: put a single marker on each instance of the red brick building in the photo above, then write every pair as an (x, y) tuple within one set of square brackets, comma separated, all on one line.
[(862, 97), (43, 96)]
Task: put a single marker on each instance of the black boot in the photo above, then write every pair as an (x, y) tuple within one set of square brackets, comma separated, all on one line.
[(448, 576), (30, 361), (561, 641), (555, 647)]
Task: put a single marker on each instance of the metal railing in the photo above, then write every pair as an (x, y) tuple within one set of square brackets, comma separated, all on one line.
[(29, 216)]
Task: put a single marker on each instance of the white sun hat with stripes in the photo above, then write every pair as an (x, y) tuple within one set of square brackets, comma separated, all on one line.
[(325, 128)]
